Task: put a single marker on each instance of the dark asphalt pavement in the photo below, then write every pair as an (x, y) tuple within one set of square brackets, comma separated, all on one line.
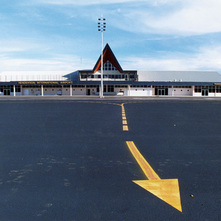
[(68, 160)]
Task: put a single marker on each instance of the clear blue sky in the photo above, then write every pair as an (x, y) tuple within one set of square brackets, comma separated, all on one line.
[(144, 35)]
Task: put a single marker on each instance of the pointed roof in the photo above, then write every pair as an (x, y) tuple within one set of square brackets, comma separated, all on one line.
[(108, 55)]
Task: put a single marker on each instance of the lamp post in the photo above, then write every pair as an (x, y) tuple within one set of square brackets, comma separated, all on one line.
[(101, 28)]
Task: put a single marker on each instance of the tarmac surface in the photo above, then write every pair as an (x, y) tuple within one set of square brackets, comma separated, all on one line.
[(67, 159)]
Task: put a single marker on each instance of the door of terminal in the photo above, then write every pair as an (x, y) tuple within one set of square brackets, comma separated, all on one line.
[(161, 91), (205, 92), (88, 91), (7, 92)]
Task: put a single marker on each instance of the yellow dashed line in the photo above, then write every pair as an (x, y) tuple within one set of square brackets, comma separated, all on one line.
[(124, 119), (124, 122), (125, 128)]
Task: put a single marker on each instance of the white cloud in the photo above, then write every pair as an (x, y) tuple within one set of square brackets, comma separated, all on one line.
[(180, 17), (171, 17), (87, 2), (195, 17), (102, 2), (205, 59), (184, 17), (57, 63), (17, 45)]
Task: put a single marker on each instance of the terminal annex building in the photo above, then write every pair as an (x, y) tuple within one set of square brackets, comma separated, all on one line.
[(116, 81)]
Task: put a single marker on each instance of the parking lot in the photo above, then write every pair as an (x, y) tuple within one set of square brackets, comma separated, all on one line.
[(65, 159)]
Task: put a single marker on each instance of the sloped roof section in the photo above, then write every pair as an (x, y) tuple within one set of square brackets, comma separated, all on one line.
[(108, 55)]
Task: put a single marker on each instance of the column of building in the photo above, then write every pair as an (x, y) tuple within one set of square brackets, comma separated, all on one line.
[(14, 91), (42, 90)]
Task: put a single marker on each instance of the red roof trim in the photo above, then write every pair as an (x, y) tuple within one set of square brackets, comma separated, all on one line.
[(108, 55)]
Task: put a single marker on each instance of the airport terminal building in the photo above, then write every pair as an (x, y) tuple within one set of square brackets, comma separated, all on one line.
[(116, 81)]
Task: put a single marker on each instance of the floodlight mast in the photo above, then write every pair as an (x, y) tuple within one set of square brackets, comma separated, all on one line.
[(102, 28)]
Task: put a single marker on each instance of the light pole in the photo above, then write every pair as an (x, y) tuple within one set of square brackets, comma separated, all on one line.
[(101, 28)]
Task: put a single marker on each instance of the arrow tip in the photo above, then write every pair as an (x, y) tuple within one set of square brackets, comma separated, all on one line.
[(165, 189)]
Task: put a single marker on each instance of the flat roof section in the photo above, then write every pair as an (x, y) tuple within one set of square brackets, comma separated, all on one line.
[(185, 76)]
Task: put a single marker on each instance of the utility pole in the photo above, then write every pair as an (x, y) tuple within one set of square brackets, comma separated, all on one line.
[(102, 28)]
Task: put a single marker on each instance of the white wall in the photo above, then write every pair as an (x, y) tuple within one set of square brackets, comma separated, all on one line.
[(140, 92), (181, 92), (31, 91), (54, 91), (37, 91), (79, 91), (66, 91)]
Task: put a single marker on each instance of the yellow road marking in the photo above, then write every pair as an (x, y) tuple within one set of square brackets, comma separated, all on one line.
[(124, 122), (147, 169), (165, 189), (125, 128), (124, 119)]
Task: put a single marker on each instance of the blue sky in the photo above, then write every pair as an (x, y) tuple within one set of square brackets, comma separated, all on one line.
[(143, 34)]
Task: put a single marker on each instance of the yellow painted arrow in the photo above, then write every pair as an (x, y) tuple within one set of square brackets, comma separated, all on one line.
[(165, 189)]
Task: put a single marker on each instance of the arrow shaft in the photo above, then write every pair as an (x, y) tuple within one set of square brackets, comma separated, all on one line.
[(145, 166)]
